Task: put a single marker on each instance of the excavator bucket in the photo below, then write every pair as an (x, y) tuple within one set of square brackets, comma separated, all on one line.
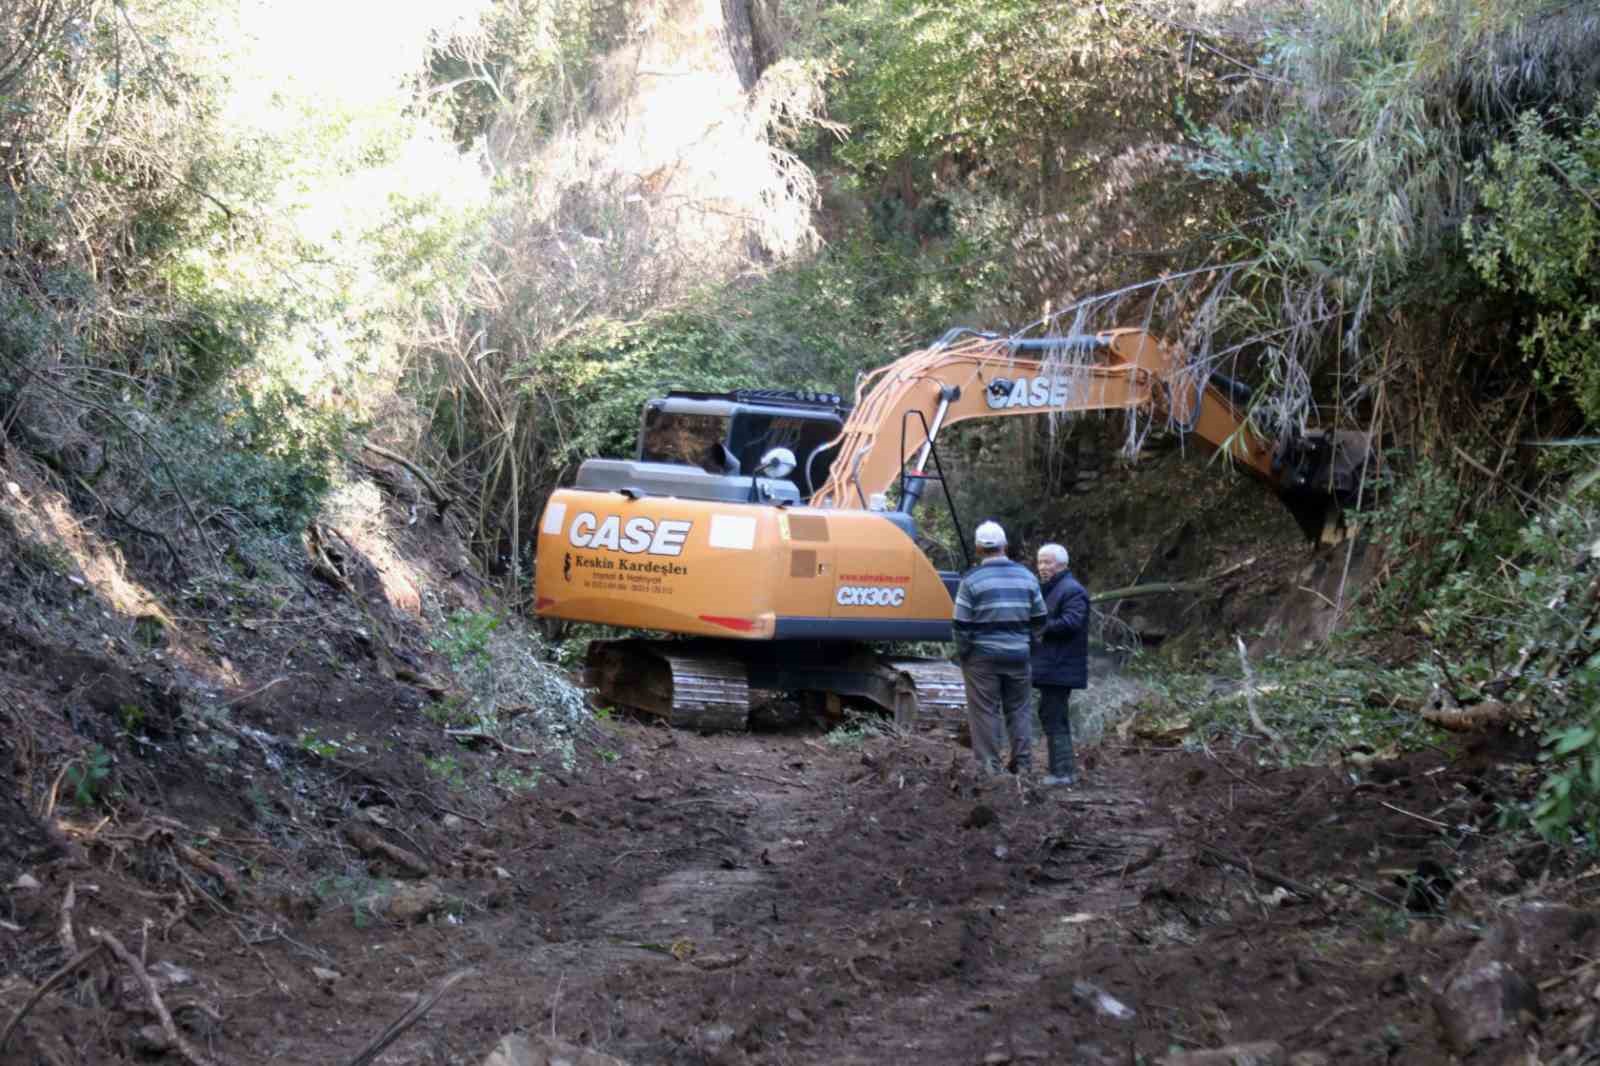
[(1321, 476)]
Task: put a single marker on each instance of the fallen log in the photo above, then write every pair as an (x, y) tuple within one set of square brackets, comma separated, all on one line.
[(375, 847), (1490, 714), (441, 499), (1161, 588)]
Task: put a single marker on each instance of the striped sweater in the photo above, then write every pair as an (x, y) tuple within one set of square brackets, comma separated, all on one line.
[(999, 611)]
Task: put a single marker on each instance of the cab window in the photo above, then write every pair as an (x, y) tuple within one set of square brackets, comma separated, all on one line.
[(692, 439), (756, 434)]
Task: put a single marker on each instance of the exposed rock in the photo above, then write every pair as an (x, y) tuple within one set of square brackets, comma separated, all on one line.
[(1483, 1002), (1262, 1053), (519, 1050), (151, 1040), (168, 974), (408, 863), (1490, 992), (723, 961), (1502, 877), (406, 903), (1103, 1002), (981, 816), (1309, 1058)]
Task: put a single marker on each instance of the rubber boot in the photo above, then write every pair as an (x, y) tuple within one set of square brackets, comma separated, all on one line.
[(1062, 771)]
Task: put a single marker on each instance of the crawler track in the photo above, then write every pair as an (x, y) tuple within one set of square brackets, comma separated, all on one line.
[(706, 686)]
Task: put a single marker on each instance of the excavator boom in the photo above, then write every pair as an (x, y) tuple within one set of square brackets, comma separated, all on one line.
[(902, 407)]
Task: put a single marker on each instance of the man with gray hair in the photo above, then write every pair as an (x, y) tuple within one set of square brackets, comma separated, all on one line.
[(999, 614), (1060, 660)]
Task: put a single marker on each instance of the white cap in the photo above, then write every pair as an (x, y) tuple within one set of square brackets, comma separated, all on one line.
[(990, 535)]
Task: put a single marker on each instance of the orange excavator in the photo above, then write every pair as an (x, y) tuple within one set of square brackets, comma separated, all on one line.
[(755, 529)]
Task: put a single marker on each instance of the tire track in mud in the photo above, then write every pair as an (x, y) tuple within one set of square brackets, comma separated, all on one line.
[(776, 899), (782, 899), (854, 913)]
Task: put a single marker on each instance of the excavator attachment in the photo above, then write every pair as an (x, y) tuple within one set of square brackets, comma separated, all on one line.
[(901, 408), (1320, 476)]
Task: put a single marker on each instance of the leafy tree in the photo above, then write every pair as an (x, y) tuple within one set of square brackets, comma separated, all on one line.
[(1356, 140), (191, 317), (526, 72), (1064, 119), (1539, 237), (990, 85)]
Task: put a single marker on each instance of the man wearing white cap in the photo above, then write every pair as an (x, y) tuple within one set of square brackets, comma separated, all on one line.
[(999, 615)]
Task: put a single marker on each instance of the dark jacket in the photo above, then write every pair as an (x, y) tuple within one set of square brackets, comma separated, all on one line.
[(1062, 657)]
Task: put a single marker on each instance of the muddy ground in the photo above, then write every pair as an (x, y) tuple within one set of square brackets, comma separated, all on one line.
[(237, 829), (791, 897)]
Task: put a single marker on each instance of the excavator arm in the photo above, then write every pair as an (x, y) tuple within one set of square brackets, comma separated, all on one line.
[(902, 407)]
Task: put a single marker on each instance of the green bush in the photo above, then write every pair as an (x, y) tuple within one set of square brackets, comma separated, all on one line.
[(87, 777), (862, 303), (1539, 237), (258, 463), (1441, 541), (464, 638), (1506, 601)]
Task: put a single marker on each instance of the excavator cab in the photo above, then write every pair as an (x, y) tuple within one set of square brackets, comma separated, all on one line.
[(728, 434)]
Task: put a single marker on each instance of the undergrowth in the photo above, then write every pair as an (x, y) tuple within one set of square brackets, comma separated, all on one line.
[(1488, 603), (510, 689), (1321, 707)]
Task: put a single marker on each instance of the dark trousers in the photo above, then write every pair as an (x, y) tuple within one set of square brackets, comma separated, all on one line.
[(997, 705), (1053, 714), (1057, 722)]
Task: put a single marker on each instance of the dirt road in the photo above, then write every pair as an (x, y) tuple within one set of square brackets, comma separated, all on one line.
[(786, 898)]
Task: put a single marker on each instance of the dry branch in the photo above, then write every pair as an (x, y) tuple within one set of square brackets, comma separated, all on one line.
[(412, 1016), (1133, 592), (1490, 714), (156, 534), (441, 499), (143, 438), (1250, 700), (168, 829), (168, 1026), (325, 559), (490, 738), (72, 967), (1493, 476), (1260, 873), (194, 857), (69, 943)]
